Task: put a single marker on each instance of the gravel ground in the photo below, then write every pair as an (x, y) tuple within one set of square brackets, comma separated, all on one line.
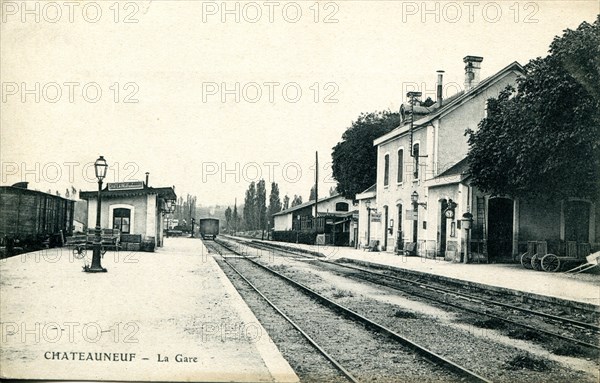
[(480, 347), (518, 301), (534, 321), (309, 365), (369, 356)]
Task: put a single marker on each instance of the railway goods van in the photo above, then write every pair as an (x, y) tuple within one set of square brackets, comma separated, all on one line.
[(32, 219), (209, 228)]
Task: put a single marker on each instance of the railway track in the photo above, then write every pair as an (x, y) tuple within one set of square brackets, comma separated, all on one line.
[(329, 325), (470, 303)]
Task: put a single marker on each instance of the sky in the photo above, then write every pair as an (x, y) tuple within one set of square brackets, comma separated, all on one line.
[(209, 96)]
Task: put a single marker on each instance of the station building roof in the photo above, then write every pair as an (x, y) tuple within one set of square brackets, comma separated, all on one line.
[(167, 193), (306, 204)]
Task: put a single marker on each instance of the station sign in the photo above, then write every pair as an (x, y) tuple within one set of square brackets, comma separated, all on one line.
[(375, 217), (131, 185)]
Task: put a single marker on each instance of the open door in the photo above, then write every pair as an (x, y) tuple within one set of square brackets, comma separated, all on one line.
[(442, 228), (500, 229)]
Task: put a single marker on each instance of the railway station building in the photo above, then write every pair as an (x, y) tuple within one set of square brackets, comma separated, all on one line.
[(134, 208), (423, 202)]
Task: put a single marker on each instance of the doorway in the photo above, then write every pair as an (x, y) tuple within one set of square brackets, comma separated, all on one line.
[(399, 233), (385, 231), (577, 221), (500, 229), (442, 230)]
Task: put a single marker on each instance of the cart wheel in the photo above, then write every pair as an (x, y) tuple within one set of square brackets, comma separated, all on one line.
[(550, 263), (79, 252), (526, 260), (535, 262)]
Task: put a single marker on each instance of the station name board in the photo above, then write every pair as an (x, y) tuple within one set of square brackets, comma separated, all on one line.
[(375, 217), (131, 185)]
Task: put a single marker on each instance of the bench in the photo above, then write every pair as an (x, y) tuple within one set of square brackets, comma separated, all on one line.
[(110, 239), (372, 246)]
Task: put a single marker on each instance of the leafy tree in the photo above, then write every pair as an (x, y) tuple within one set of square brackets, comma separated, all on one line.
[(313, 193), (286, 202), (428, 102), (261, 205), (228, 216), (355, 157), (250, 218), (297, 200), (235, 217), (274, 202), (542, 140)]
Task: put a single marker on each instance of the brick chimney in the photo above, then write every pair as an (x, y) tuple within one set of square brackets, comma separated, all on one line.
[(439, 87), (472, 71)]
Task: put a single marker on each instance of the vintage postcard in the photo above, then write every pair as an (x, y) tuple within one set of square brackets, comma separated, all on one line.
[(300, 191)]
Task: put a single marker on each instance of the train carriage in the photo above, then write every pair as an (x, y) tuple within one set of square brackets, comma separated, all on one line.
[(30, 219), (209, 228)]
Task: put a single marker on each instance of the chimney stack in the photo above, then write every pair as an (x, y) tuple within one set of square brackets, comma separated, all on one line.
[(147, 176), (440, 84), (472, 71)]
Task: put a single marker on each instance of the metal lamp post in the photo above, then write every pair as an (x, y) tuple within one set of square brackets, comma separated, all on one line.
[(167, 211), (100, 166)]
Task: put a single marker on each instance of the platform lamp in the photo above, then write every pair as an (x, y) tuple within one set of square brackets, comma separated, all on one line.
[(100, 167), (167, 210), (414, 198), (368, 206)]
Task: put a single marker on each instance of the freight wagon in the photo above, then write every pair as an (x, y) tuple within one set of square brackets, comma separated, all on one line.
[(30, 219), (209, 228)]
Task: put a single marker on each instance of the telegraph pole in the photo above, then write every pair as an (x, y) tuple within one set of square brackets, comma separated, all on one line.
[(316, 187)]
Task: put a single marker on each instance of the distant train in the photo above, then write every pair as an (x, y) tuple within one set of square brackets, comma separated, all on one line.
[(209, 228), (30, 220)]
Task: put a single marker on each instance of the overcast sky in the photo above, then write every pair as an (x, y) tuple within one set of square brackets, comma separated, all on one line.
[(176, 61)]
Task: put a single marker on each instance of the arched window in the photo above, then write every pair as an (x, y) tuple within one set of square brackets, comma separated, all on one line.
[(121, 219), (386, 170), (416, 160), (400, 165), (341, 206)]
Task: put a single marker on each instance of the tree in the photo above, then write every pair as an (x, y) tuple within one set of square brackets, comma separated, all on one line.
[(428, 102), (228, 216), (313, 194), (332, 191), (542, 140), (235, 217), (286, 202), (355, 157), (261, 205), (274, 202), (297, 200), (249, 211)]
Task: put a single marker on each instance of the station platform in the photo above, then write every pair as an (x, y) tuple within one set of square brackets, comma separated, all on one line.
[(582, 290), (171, 315)]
